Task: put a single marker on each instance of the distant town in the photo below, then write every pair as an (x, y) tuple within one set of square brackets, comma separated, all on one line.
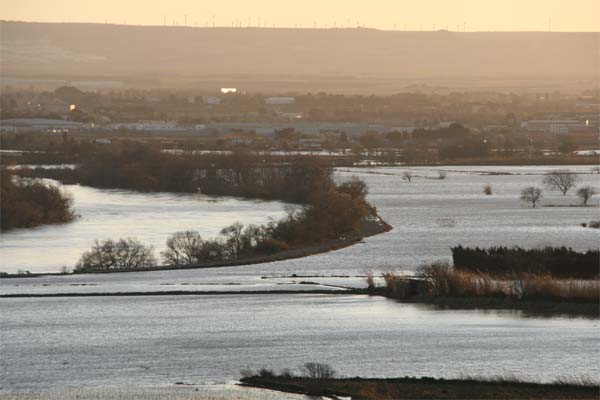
[(427, 127)]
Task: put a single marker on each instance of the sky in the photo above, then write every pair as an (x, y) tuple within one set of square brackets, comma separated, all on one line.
[(469, 15)]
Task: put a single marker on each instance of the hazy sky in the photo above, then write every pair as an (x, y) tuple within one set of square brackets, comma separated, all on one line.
[(496, 15)]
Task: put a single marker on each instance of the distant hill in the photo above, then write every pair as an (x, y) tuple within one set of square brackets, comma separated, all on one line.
[(100, 49)]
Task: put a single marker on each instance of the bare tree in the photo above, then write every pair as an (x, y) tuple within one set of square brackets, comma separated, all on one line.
[(561, 179), (407, 176), (234, 237), (183, 248), (487, 189), (585, 194), (318, 370), (125, 254), (531, 195)]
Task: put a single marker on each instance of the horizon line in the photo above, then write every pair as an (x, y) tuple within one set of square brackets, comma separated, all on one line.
[(358, 27)]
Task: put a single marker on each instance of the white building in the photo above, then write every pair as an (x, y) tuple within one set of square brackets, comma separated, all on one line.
[(554, 126)]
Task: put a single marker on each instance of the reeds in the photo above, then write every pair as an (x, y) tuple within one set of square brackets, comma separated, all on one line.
[(444, 280)]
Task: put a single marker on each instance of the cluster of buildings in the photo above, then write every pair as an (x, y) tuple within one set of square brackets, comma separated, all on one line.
[(555, 127), (221, 128), (548, 127)]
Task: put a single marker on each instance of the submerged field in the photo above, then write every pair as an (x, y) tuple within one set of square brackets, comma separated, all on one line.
[(428, 215), (67, 347), (153, 341), (113, 214)]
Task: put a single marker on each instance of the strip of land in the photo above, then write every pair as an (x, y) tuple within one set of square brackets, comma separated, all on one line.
[(423, 388), (371, 227)]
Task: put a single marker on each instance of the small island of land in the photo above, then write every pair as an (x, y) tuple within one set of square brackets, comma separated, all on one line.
[(539, 281), (27, 203), (321, 380)]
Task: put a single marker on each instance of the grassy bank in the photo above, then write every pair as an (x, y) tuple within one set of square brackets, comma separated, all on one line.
[(424, 388)]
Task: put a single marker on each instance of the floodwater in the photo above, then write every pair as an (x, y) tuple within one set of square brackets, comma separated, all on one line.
[(111, 214), (157, 341), (428, 215), (123, 347)]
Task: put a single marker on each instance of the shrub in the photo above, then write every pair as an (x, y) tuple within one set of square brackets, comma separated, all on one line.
[(370, 280), (125, 254), (487, 189), (388, 278), (286, 373), (317, 370), (247, 373), (585, 194), (271, 246), (213, 250), (594, 224), (446, 281), (266, 373)]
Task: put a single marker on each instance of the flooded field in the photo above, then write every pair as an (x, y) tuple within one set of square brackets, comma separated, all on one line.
[(113, 214), (119, 347), (157, 341), (428, 215)]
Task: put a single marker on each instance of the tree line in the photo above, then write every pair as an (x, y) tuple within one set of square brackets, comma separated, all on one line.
[(137, 166)]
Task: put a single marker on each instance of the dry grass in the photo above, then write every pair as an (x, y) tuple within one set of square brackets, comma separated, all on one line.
[(447, 281)]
